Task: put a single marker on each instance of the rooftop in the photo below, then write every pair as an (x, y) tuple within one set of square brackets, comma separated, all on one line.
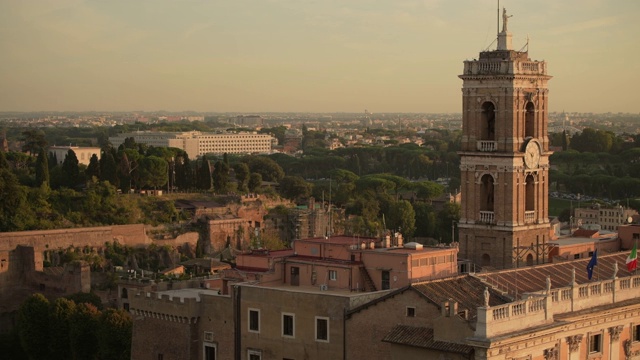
[(533, 279), (422, 337)]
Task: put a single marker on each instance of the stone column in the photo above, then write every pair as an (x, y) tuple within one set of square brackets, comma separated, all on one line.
[(614, 341), (574, 346)]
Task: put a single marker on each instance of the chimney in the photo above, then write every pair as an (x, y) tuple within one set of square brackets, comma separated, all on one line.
[(453, 309)]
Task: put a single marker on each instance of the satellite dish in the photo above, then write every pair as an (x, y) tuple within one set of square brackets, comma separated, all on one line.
[(629, 220)]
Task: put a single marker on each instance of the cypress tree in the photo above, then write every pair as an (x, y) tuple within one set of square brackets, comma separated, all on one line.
[(70, 170), (108, 168), (42, 169), (204, 175), (94, 168)]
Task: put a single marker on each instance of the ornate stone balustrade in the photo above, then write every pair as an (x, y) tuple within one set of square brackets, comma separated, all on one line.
[(487, 217), (498, 67), (529, 216), (539, 308), (487, 145), (509, 317)]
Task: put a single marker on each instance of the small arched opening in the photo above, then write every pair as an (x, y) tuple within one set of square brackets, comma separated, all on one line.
[(529, 260), (486, 260), (124, 294), (488, 126), (529, 120)]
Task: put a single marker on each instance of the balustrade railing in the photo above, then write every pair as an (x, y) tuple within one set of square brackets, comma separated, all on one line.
[(487, 217), (487, 145), (529, 216)]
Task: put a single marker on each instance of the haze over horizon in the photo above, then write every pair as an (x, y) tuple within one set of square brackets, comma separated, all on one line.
[(303, 56)]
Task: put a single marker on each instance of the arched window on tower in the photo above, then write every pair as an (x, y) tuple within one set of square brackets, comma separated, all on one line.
[(530, 203), (488, 125), (486, 193), (529, 120), (530, 200)]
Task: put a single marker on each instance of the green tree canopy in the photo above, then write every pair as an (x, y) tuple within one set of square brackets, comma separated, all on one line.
[(114, 335), (61, 315), (402, 217), (153, 172), (34, 140), (255, 181), (33, 326), (266, 167), (242, 175), (295, 188)]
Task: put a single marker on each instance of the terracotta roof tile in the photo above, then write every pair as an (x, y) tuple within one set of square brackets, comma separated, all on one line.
[(423, 337), (467, 291), (533, 279)]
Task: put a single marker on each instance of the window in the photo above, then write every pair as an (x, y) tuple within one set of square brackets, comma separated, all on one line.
[(595, 343), (254, 320), (411, 311), (333, 275), (322, 329), (254, 354), (209, 352), (288, 325), (576, 256), (160, 356), (635, 336), (385, 280)]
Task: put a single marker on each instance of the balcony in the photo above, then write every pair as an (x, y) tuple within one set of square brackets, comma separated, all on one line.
[(487, 145), (529, 216), (487, 217)]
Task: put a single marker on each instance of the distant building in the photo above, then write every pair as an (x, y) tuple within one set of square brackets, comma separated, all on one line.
[(195, 143), (83, 154), (249, 120), (607, 218)]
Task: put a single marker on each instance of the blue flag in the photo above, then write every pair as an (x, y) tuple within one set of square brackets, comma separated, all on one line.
[(593, 262)]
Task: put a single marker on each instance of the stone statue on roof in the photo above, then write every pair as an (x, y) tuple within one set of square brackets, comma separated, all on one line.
[(615, 270), (486, 296), (548, 285), (573, 276), (505, 19)]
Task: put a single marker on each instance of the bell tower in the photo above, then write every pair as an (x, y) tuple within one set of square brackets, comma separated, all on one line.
[(504, 157)]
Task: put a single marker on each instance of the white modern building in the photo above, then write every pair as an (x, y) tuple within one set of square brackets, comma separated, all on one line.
[(82, 153), (195, 143)]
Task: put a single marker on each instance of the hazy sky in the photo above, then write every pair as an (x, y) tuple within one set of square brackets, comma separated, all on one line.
[(302, 55)]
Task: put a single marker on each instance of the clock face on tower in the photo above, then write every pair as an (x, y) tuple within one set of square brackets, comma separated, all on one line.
[(532, 154)]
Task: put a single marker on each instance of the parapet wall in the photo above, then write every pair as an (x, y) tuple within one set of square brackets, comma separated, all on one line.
[(41, 240), (540, 308)]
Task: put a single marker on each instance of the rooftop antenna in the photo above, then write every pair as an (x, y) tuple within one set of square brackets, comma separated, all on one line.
[(525, 45)]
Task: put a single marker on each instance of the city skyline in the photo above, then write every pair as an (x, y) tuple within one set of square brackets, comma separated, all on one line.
[(302, 56)]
